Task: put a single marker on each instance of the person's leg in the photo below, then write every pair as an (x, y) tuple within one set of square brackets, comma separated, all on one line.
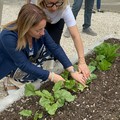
[(88, 13), (55, 30), (98, 4), (76, 7), (87, 17)]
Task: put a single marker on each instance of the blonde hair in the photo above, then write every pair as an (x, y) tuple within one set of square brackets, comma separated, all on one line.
[(40, 3), (29, 16)]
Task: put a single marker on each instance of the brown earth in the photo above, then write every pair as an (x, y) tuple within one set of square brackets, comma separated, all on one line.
[(101, 101)]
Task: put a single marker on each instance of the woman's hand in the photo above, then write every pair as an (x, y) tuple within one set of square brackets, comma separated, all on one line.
[(83, 68), (55, 77), (79, 77)]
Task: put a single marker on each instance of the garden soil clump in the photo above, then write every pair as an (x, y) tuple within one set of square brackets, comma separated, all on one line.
[(100, 101)]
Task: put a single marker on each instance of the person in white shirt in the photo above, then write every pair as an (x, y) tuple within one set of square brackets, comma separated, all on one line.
[(59, 12)]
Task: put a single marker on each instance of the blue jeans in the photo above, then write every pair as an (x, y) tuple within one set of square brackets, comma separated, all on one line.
[(87, 13), (98, 4)]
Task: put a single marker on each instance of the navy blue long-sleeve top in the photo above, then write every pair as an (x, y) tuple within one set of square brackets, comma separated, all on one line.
[(10, 58)]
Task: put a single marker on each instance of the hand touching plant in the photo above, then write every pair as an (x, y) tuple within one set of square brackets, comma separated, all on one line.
[(79, 77), (55, 77), (83, 68)]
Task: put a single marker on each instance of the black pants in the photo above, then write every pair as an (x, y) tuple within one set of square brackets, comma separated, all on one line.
[(55, 30)]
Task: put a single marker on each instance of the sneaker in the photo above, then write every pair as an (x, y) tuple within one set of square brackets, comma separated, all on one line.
[(93, 11), (66, 33), (98, 10), (89, 31)]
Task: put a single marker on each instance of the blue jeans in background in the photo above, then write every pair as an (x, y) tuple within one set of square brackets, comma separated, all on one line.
[(87, 13), (98, 4)]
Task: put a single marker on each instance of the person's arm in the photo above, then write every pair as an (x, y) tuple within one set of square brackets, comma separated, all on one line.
[(82, 67), (78, 43), (74, 74), (20, 60), (59, 53), (71, 24)]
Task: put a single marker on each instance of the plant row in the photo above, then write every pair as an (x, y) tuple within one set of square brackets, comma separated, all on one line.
[(62, 92)]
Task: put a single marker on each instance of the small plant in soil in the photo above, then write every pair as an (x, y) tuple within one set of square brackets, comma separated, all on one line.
[(51, 101), (105, 56), (61, 93)]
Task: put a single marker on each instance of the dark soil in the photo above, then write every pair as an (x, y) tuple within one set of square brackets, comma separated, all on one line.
[(101, 101)]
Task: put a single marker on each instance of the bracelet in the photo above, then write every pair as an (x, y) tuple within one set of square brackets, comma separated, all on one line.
[(52, 73), (73, 70)]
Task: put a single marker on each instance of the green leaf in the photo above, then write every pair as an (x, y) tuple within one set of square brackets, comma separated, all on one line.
[(29, 89), (91, 78), (57, 94), (26, 113), (67, 95), (58, 86), (60, 102), (44, 101), (39, 93), (65, 74), (37, 115), (93, 63), (108, 50), (69, 84), (104, 65), (40, 115), (74, 89), (81, 87), (47, 94), (92, 68), (52, 109), (100, 57)]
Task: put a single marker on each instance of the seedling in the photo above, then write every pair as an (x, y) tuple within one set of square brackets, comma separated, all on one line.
[(105, 55)]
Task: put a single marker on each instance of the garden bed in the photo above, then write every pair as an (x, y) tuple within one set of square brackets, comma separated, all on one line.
[(100, 101)]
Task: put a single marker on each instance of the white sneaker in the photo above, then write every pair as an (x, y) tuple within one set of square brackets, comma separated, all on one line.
[(66, 33)]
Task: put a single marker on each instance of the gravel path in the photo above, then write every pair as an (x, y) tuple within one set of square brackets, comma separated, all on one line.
[(104, 24)]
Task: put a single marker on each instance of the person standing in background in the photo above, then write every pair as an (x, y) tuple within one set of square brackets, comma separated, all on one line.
[(98, 7), (87, 16)]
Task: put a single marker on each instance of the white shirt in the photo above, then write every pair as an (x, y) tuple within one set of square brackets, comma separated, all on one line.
[(65, 14), (33, 1)]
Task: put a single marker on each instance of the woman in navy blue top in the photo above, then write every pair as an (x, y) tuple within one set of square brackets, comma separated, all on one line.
[(23, 39)]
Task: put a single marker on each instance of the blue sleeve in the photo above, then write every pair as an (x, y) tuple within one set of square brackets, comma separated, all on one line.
[(9, 42), (57, 51)]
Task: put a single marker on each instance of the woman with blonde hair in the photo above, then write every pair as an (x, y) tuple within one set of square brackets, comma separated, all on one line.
[(24, 46), (58, 12)]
